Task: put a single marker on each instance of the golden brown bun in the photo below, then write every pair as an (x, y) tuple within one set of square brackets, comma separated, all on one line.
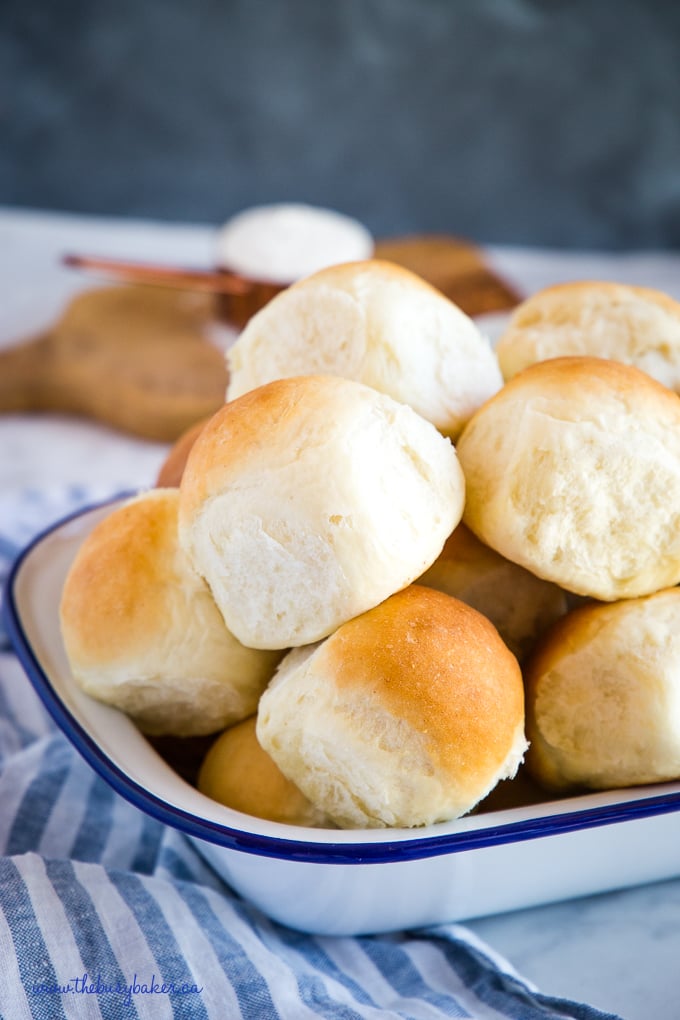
[(573, 471), (636, 325), (520, 605), (603, 696), (407, 715), (378, 323), (310, 500), (171, 470), (237, 772), (142, 631)]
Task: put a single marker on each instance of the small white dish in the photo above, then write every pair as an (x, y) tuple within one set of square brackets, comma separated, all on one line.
[(334, 881)]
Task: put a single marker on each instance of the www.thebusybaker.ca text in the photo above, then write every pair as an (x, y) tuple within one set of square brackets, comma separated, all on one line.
[(85, 985)]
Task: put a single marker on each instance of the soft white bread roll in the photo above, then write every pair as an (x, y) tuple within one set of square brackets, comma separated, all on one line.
[(379, 324), (309, 500), (636, 325), (407, 715), (237, 772), (520, 605), (603, 696), (142, 632), (573, 471)]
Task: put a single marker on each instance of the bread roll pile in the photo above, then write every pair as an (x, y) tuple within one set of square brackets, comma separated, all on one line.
[(573, 471), (387, 583)]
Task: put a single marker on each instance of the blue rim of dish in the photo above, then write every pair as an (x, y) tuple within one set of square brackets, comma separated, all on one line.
[(408, 848)]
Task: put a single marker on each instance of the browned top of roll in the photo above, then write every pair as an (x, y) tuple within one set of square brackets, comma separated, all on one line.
[(440, 666), (128, 555)]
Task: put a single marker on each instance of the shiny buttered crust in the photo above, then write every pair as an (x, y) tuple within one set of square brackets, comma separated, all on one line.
[(407, 715), (603, 696), (520, 605), (636, 325), (379, 324), (142, 632), (573, 471), (237, 772), (308, 501)]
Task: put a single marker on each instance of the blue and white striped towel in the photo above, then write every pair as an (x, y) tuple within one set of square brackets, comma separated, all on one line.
[(105, 913)]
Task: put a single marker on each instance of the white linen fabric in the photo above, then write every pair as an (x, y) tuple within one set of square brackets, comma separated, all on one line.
[(107, 913)]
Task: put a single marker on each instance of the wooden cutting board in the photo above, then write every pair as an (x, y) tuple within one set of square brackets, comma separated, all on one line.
[(136, 358), (456, 268), (139, 358)]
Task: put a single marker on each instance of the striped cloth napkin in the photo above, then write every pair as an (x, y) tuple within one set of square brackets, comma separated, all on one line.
[(106, 913)]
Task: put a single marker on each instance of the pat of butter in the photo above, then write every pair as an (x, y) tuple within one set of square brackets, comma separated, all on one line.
[(282, 243)]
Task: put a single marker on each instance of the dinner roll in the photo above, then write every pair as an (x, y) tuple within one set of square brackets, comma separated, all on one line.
[(520, 605), (380, 324), (309, 500), (142, 632), (603, 696), (635, 325), (237, 772), (407, 715), (573, 471)]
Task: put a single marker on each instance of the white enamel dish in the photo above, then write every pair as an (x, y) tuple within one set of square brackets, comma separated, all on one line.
[(332, 881)]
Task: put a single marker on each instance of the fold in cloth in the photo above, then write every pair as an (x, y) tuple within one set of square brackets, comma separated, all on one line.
[(107, 913)]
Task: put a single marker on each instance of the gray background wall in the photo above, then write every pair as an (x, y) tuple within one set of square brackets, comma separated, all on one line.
[(515, 121)]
